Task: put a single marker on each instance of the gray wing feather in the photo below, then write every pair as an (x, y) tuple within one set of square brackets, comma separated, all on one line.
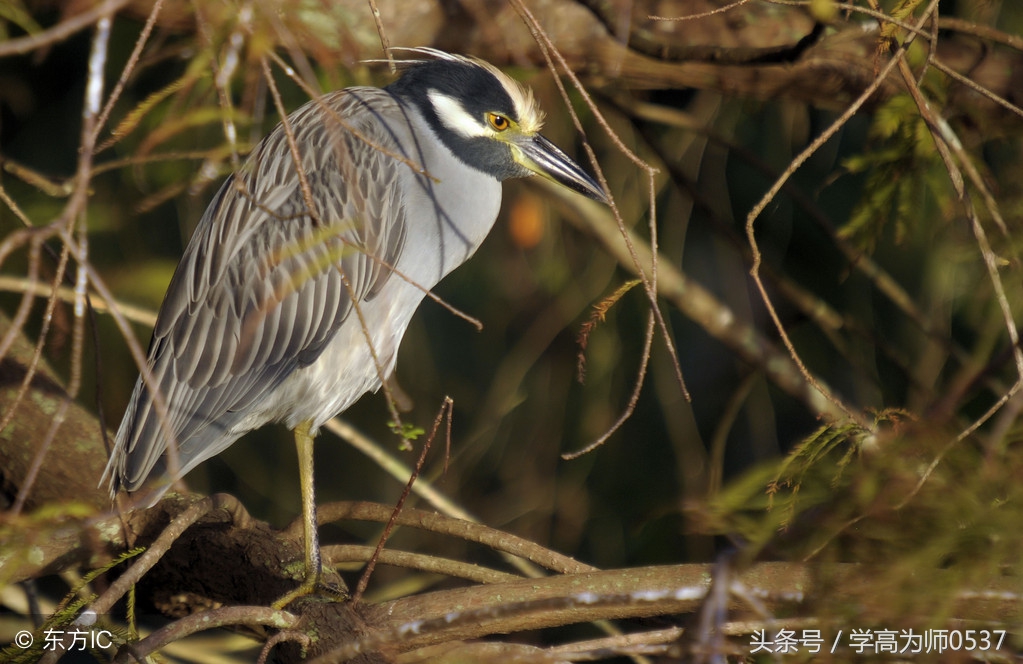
[(259, 291)]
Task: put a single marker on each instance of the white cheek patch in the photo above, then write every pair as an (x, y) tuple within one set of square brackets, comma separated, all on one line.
[(453, 116)]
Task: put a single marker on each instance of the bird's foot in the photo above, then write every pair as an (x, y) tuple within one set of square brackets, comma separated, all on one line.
[(315, 584)]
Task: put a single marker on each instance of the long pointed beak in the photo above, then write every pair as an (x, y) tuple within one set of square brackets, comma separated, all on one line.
[(546, 159)]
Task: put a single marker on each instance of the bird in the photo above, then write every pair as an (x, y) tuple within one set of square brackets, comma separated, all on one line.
[(293, 294)]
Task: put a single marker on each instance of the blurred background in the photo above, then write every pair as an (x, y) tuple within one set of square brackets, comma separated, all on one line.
[(869, 257)]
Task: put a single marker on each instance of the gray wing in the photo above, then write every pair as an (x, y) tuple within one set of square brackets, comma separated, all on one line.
[(261, 288)]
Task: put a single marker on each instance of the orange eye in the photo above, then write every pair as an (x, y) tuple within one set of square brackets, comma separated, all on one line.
[(498, 122)]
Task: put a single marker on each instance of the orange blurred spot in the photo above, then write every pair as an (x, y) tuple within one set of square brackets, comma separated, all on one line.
[(527, 221)]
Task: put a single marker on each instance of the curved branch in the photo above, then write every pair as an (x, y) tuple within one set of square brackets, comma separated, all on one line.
[(62, 30)]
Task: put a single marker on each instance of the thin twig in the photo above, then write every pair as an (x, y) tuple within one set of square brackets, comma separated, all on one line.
[(13, 206), (160, 546), (693, 17), (182, 522), (400, 471), (30, 372), (129, 67), (874, 13), (222, 75), (62, 30), (468, 531), (551, 54), (947, 144), (75, 210), (312, 211), (648, 340), (228, 616), (141, 315), (796, 163), (418, 169), (984, 32), (976, 87), (347, 553), (35, 240), (446, 407), (385, 42), (396, 468)]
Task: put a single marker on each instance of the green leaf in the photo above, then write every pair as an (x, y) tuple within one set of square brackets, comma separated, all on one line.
[(406, 430)]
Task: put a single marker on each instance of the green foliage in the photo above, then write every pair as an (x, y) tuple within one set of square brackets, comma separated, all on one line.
[(91, 576), (62, 621), (406, 430), (597, 316), (771, 498), (925, 515), (905, 176)]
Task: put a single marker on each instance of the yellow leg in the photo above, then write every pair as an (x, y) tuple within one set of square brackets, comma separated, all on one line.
[(304, 444)]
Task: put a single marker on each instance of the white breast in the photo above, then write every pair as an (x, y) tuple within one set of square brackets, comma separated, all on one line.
[(449, 215)]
